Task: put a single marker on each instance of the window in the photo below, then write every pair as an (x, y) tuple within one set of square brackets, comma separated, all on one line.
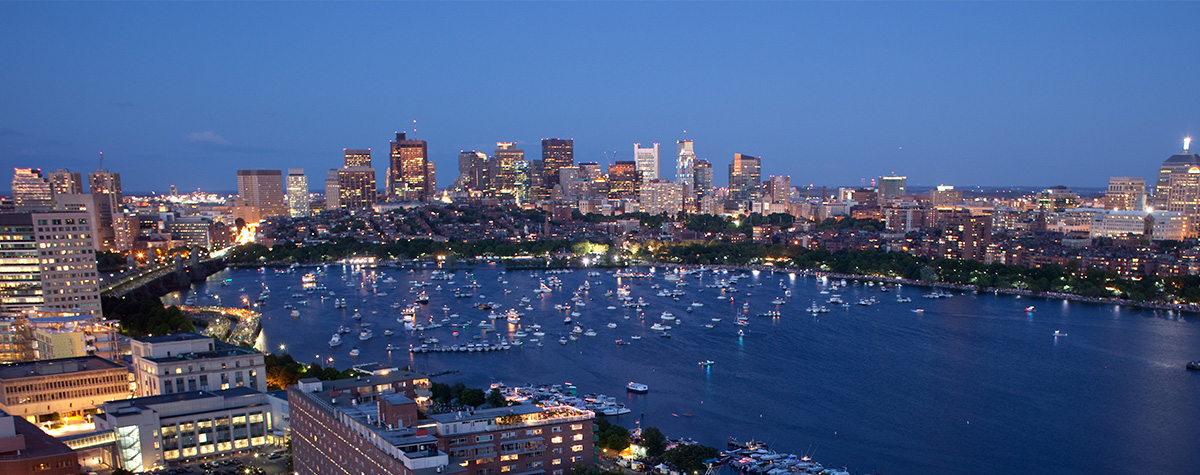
[(556, 440), (576, 426), (556, 462), (483, 438), (577, 448), (577, 437), (533, 432), (577, 458), (556, 429)]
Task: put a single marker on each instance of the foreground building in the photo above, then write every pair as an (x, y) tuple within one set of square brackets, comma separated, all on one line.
[(157, 430), (49, 264), (26, 450), (187, 362), (523, 439), (63, 386)]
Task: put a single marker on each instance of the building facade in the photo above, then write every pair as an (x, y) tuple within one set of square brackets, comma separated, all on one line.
[(356, 188), (624, 180), (27, 450), (646, 159), (1125, 193), (356, 157), (892, 186), (187, 362), (556, 153), (31, 190), (66, 182), (49, 264), (408, 177), (36, 389), (297, 193), (260, 195), (745, 178), (521, 439)]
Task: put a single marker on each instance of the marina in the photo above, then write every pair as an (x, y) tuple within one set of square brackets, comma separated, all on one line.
[(855, 380)]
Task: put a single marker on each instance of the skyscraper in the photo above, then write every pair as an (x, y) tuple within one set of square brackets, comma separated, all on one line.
[(356, 188), (556, 153), (103, 181), (408, 177), (745, 178), (297, 193), (892, 186), (32, 191), (66, 182), (647, 161), (50, 264), (473, 171), (624, 180), (779, 189), (685, 164), (333, 191), (357, 158), (1183, 196), (1125, 193), (703, 178), (260, 195), (1178, 163)]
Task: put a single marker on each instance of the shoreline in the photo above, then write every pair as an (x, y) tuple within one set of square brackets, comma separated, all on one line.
[(1150, 305)]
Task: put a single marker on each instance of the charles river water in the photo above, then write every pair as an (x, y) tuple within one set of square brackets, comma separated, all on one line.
[(973, 384)]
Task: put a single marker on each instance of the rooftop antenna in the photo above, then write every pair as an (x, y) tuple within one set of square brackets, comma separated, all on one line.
[(102, 156), (1187, 143), (414, 129)]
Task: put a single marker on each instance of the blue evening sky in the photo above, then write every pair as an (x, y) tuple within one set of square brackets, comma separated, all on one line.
[(830, 93)]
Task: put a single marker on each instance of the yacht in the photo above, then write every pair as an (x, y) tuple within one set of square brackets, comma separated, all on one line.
[(612, 325), (706, 363), (637, 388), (355, 352), (1058, 333), (295, 313), (365, 334), (589, 332), (336, 341)]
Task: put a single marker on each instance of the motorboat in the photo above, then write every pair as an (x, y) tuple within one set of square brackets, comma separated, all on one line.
[(336, 341), (295, 313), (355, 352), (1058, 333), (637, 388), (388, 332), (706, 363), (612, 325), (365, 334)]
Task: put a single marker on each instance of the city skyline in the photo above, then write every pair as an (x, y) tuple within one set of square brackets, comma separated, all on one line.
[(971, 95)]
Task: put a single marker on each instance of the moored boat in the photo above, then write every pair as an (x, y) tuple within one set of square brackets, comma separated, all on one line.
[(637, 388)]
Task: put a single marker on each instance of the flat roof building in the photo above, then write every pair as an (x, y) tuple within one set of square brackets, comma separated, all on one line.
[(26, 450), (187, 362), (60, 386)]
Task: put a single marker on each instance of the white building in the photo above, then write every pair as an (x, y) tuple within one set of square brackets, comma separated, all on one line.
[(186, 362), (660, 196), (1113, 224), (1168, 225), (646, 161)]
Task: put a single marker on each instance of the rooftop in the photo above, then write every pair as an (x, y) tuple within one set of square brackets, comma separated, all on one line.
[(37, 443), (173, 337), (56, 366), (122, 405)]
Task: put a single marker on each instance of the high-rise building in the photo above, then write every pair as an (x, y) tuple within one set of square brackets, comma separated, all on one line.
[(779, 189), (685, 165), (408, 176), (661, 196), (1125, 193), (32, 191), (536, 173), (66, 182), (745, 178), (104, 181), (49, 264), (356, 188), (333, 192), (297, 193), (703, 178), (260, 195), (624, 180), (504, 173), (647, 161), (1183, 196), (1178, 163), (473, 173), (892, 186), (356, 158), (945, 196), (94, 206), (556, 153)]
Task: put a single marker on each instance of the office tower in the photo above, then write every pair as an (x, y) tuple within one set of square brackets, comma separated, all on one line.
[(1183, 196), (892, 186), (174, 192), (332, 189), (685, 164), (356, 158), (1125, 193), (94, 206), (536, 175), (945, 196), (624, 180), (504, 173), (356, 188), (647, 161), (297, 193), (431, 178), (703, 178), (590, 171), (779, 189), (556, 153), (408, 176), (49, 264), (104, 181), (1178, 163), (32, 191), (745, 178), (473, 172), (260, 195), (66, 182)]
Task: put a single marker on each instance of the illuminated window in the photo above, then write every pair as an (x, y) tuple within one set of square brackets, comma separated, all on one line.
[(556, 462), (577, 448), (576, 426), (577, 437), (556, 440)]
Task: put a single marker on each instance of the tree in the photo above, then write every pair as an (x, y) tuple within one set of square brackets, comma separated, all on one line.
[(440, 392), (472, 397), (690, 458), (654, 441), (615, 438), (495, 398)]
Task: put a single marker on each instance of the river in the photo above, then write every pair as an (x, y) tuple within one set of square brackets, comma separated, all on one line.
[(973, 384)]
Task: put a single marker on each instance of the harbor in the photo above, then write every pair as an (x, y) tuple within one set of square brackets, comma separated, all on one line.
[(844, 380)]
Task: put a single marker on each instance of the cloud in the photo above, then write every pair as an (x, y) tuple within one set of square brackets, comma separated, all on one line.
[(208, 137)]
